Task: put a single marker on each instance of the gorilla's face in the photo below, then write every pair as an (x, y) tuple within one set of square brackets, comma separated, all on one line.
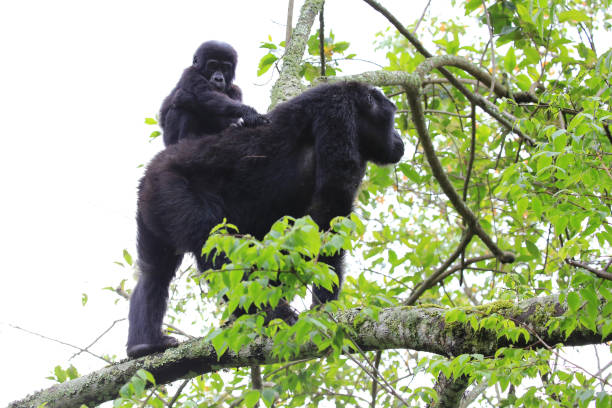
[(219, 73), (216, 61), (378, 139)]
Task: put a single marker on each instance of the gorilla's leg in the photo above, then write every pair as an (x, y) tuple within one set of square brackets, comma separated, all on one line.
[(282, 311), (322, 295), (158, 264)]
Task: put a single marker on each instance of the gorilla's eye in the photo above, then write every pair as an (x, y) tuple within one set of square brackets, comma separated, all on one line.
[(227, 67), (212, 65)]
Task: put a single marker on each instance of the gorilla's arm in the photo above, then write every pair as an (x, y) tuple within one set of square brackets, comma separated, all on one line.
[(235, 93), (194, 93), (217, 104), (338, 173)]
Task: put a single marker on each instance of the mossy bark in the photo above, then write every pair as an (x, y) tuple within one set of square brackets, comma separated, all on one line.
[(420, 328)]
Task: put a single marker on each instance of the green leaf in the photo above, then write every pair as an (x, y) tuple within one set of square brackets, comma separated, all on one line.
[(606, 329), (150, 121), (559, 142), (410, 172), (341, 46), (560, 222), (251, 398), (521, 207), (269, 46), (510, 60), (265, 63), (575, 16), (532, 56), (60, 374), (127, 257), (268, 395), (533, 249), (544, 161), (573, 301), (220, 345), (455, 315), (472, 5), (72, 372)]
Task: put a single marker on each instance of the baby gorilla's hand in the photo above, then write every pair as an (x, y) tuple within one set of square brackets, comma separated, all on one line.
[(253, 119)]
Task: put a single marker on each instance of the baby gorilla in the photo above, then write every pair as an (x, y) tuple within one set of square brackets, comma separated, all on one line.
[(205, 101), (310, 160)]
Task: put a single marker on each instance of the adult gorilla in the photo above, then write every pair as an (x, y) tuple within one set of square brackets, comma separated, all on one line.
[(205, 101), (309, 160)]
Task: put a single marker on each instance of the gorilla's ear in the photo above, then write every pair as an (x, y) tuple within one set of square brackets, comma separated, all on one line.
[(195, 60), (366, 102)]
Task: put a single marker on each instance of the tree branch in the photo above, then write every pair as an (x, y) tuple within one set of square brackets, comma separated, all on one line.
[(450, 391), (413, 92), (289, 84), (415, 328), (289, 27), (476, 99), (598, 272)]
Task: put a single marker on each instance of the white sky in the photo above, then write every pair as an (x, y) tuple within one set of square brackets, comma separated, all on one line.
[(77, 79)]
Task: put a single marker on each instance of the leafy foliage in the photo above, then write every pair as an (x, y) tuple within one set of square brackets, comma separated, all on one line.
[(311, 65)]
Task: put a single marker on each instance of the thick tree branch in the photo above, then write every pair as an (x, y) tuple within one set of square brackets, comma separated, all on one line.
[(413, 91), (288, 84), (466, 65), (415, 328)]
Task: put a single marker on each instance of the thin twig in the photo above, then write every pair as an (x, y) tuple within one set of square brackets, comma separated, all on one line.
[(60, 342), (439, 112), (178, 393), (179, 331), (433, 280), (322, 40), (97, 338), (492, 42), (375, 383), (468, 173), (416, 26)]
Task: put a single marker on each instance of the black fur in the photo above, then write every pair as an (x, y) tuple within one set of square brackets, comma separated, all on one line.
[(205, 101), (309, 160)]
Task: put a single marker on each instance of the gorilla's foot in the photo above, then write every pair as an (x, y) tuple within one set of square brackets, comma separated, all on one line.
[(143, 349), (282, 311)]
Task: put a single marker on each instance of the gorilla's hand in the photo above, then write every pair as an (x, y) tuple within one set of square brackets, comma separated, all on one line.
[(238, 123), (253, 119)]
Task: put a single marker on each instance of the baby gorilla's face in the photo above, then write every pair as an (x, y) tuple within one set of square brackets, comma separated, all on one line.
[(218, 73)]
